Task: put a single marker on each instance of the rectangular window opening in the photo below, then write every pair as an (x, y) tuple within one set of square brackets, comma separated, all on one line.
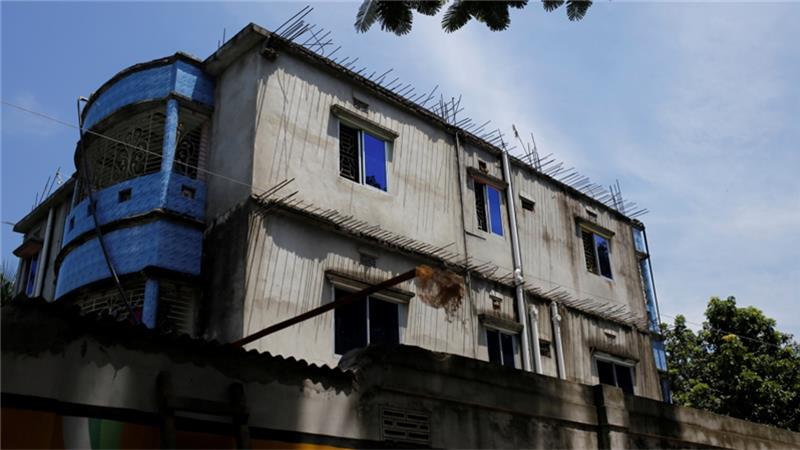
[(366, 321), (614, 374), (362, 157), (488, 205), (30, 276), (597, 253), (501, 348)]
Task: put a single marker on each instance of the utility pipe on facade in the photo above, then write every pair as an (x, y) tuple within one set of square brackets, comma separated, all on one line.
[(556, 318), (40, 271), (537, 355), (519, 281)]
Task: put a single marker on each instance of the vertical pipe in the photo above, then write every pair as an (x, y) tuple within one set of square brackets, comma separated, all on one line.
[(522, 311), (556, 317), (537, 354), (150, 307), (40, 271), (461, 170)]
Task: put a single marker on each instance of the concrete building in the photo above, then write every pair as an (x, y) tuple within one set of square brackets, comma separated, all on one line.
[(245, 189)]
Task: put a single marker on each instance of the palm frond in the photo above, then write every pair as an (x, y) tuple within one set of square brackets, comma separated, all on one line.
[(395, 17), (552, 5), (576, 9), (494, 14), (367, 14), (456, 16), (426, 7)]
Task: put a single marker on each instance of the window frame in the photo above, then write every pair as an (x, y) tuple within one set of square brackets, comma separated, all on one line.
[(514, 345), (32, 267), (360, 130), (401, 314), (484, 192), (594, 234), (615, 361)]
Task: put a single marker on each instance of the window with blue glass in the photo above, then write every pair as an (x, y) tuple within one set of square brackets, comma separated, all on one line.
[(597, 251), (362, 157), (487, 208), (29, 277)]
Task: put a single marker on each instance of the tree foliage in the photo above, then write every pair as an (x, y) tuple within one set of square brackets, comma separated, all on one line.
[(737, 364), (398, 16), (6, 286)]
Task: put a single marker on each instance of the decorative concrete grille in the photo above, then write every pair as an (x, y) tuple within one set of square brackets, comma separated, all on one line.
[(192, 142), (108, 301), (400, 425), (134, 150), (348, 153), (176, 307)]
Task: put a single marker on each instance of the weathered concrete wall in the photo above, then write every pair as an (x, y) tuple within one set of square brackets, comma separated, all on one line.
[(63, 365), (285, 129), (297, 137), (286, 276), (553, 252), (233, 130)]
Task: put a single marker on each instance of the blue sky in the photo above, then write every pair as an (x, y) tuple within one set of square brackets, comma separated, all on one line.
[(693, 107)]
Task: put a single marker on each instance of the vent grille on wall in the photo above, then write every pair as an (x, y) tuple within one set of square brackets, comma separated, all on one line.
[(406, 426)]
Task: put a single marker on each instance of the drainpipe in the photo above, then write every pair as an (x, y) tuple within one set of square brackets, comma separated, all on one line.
[(556, 317), (537, 355), (48, 230), (461, 185), (518, 279)]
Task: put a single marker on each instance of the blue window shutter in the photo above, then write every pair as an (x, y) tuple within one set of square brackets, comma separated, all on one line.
[(495, 214), (374, 161)]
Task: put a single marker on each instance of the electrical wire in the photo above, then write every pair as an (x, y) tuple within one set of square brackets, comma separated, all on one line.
[(87, 180), (109, 138)]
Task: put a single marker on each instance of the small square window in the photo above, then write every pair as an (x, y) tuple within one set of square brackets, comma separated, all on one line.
[(360, 105), (597, 252), (488, 208), (482, 166), (527, 205), (544, 348), (501, 348), (187, 192), (124, 195), (367, 260), (362, 157)]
